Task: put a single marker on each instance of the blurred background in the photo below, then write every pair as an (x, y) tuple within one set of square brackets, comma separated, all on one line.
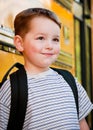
[(76, 53)]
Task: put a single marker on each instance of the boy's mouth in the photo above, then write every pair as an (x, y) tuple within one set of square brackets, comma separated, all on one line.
[(48, 54)]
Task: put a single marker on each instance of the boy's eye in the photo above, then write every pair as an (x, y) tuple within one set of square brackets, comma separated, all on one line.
[(56, 39), (40, 38)]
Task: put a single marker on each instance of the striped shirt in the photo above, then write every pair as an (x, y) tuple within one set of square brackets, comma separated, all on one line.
[(51, 104)]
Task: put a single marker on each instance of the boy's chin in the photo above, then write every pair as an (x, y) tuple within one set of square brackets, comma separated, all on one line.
[(48, 64)]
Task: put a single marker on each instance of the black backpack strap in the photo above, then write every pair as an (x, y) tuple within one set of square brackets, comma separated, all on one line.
[(19, 98), (17, 65), (71, 81)]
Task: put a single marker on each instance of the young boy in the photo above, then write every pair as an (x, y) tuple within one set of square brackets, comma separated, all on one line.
[(51, 104)]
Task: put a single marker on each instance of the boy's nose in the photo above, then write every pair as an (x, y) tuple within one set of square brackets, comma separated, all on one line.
[(49, 45)]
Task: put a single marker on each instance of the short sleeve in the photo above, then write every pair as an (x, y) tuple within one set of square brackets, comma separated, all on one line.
[(5, 97), (85, 105)]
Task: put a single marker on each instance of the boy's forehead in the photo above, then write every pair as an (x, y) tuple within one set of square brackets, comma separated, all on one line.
[(44, 24), (42, 20)]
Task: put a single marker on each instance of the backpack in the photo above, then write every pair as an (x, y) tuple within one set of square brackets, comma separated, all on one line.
[(19, 94)]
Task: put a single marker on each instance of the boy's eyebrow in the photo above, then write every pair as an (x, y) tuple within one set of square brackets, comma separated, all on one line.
[(44, 34), (57, 36)]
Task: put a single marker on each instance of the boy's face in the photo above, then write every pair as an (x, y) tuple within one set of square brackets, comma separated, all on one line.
[(41, 44)]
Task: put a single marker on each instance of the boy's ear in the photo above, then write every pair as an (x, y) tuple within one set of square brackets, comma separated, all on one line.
[(18, 41)]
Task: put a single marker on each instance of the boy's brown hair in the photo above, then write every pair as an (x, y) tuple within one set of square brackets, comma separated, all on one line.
[(22, 20)]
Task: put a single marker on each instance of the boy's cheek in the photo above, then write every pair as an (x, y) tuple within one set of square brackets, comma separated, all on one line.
[(57, 51)]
